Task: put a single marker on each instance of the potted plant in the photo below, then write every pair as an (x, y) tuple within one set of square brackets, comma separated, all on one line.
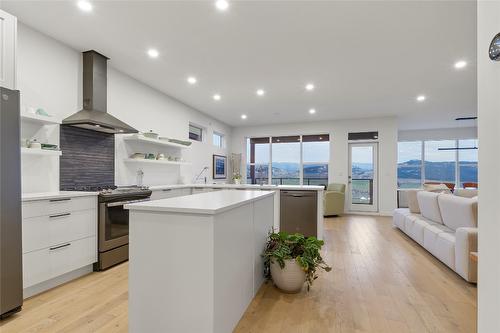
[(292, 260), (237, 178)]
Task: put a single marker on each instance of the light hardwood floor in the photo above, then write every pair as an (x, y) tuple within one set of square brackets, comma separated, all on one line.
[(381, 281)]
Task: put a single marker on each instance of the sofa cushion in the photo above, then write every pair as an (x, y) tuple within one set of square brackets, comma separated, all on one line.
[(398, 218), (438, 188), (466, 193), (458, 212), (445, 248), (417, 230), (411, 199), (429, 207), (431, 232)]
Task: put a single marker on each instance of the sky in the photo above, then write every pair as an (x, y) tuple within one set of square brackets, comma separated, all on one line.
[(413, 151)]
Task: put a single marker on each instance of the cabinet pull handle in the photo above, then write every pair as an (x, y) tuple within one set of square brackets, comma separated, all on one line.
[(167, 190), (59, 247), (59, 200), (59, 215)]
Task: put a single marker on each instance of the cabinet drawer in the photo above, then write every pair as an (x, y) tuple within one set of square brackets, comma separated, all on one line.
[(57, 206), (36, 267), (170, 193), (45, 231), (45, 264), (65, 258)]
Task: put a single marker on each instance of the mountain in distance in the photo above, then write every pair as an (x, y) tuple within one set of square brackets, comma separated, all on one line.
[(443, 171)]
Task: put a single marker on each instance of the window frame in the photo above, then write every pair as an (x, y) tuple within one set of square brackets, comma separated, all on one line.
[(457, 179), (222, 140), (269, 140)]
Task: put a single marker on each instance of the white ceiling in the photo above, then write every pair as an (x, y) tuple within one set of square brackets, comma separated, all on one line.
[(366, 59)]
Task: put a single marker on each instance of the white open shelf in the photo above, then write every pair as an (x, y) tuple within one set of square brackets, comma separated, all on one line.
[(158, 142), (38, 119), (134, 160), (40, 152)]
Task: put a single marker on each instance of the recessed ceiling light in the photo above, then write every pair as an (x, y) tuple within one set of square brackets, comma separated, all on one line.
[(192, 80), (309, 87), (85, 5), (153, 53), (260, 92), (216, 97), (421, 98), (312, 111), (222, 5), (243, 116), (460, 64)]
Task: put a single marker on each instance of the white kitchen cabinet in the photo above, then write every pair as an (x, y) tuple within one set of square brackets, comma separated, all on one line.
[(8, 46), (44, 231), (59, 236), (170, 193)]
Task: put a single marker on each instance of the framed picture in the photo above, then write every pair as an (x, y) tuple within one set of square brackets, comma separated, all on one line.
[(220, 167)]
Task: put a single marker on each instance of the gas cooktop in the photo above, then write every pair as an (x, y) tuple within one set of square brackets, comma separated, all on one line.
[(114, 191)]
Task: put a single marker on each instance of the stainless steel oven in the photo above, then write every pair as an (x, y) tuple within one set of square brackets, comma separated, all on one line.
[(113, 226)]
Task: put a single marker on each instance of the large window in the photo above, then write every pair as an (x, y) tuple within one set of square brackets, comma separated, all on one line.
[(443, 161), (410, 164), (285, 160), (440, 161), (316, 155), (467, 162), (288, 160), (258, 159)]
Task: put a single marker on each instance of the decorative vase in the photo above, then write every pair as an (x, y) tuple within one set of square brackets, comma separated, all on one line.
[(291, 278), (237, 181)]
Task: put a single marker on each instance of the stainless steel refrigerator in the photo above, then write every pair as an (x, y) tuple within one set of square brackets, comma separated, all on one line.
[(11, 265)]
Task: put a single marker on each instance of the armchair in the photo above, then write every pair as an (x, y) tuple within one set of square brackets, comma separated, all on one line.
[(334, 199)]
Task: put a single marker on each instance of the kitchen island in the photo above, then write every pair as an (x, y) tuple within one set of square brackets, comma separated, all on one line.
[(173, 190), (194, 263)]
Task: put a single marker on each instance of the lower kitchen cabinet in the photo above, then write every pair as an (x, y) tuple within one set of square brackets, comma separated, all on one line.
[(59, 236), (45, 264)]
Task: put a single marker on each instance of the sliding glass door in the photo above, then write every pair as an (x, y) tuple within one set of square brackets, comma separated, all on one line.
[(363, 182)]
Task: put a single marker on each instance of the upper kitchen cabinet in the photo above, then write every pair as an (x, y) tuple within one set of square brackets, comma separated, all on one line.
[(8, 45)]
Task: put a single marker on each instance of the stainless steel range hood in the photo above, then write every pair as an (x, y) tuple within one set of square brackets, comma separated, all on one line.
[(94, 115)]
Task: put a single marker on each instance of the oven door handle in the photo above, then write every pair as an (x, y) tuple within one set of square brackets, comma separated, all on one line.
[(121, 203)]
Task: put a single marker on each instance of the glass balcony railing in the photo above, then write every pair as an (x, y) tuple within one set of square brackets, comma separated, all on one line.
[(362, 191), (321, 181)]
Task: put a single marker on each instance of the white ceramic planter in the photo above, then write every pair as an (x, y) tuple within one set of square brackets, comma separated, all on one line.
[(291, 278)]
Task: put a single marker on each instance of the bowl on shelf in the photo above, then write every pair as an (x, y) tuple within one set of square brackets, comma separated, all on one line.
[(138, 156)]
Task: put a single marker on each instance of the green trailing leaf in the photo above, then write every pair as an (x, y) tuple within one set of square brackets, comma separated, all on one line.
[(305, 250)]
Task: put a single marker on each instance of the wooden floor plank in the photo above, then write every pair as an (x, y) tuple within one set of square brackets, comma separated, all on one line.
[(381, 281)]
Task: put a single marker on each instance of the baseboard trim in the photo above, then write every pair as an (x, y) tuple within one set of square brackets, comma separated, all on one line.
[(57, 281), (389, 214)]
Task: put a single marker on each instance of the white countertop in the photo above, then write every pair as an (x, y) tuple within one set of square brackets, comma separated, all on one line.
[(202, 203), (245, 186), (55, 195)]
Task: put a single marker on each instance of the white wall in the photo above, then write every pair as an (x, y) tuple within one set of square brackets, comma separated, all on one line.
[(50, 77), (489, 160), (338, 167), (439, 134)]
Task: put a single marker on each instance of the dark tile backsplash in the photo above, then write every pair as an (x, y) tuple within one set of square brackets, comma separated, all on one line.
[(88, 158)]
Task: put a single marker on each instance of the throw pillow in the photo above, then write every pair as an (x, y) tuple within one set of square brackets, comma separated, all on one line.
[(411, 198)]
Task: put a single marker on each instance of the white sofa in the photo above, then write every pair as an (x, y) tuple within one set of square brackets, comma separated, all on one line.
[(446, 226)]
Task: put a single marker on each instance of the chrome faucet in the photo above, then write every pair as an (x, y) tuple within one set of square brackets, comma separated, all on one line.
[(199, 175)]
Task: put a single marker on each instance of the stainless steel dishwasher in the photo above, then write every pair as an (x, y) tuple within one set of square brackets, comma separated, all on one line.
[(299, 212)]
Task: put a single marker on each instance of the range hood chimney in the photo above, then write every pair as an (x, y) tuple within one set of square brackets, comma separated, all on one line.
[(94, 115)]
